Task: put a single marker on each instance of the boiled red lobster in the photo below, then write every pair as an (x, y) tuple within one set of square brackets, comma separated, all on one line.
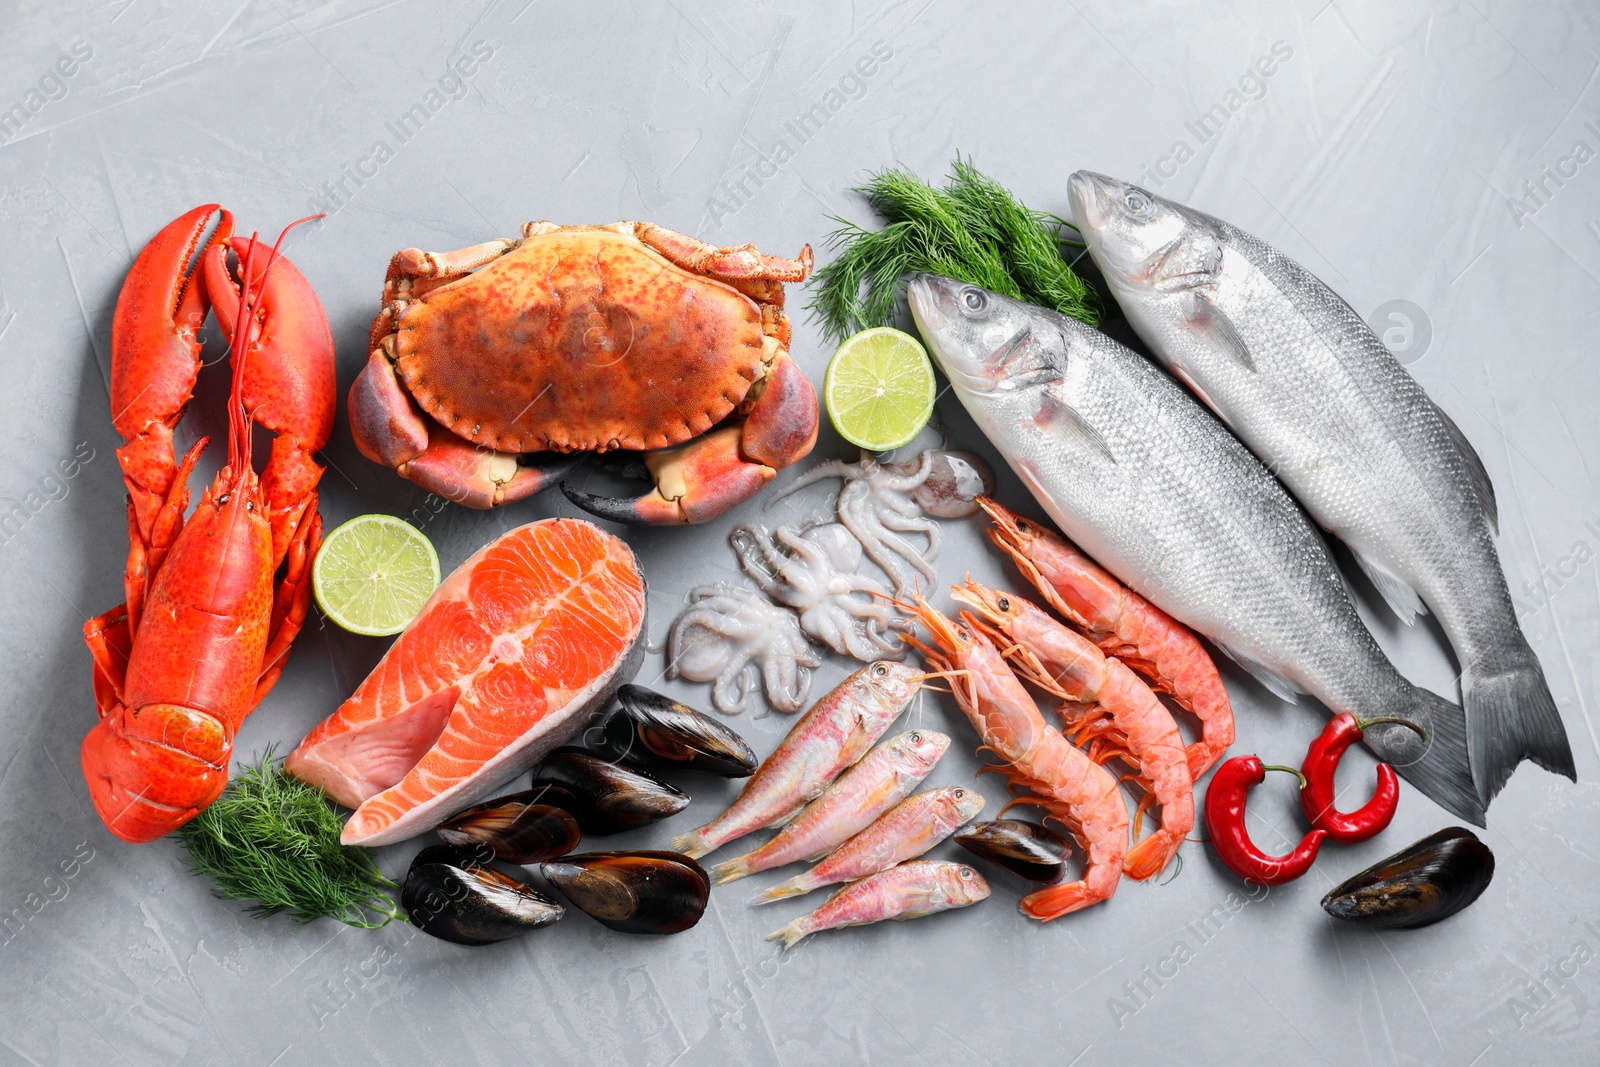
[(215, 600)]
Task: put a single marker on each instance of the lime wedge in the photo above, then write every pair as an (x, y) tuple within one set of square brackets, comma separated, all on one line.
[(373, 574), (879, 389)]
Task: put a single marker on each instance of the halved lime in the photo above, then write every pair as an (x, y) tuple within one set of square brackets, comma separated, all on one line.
[(373, 574), (879, 389)]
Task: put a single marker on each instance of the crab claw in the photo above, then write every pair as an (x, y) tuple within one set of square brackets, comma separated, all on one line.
[(698, 481), (478, 477)]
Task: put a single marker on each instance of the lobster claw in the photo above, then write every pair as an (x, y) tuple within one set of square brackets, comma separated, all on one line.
[(155, 354), (288, 373)]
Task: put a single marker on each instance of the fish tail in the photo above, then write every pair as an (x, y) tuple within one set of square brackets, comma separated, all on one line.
[(1511, 716), (1438, 766), (693, 845), (794, 887), (791, 933), (732, 870)]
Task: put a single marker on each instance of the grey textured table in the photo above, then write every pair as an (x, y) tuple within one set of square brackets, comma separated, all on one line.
[(1442, 156)]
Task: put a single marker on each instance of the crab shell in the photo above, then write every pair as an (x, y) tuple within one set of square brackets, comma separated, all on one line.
[(587, 339)]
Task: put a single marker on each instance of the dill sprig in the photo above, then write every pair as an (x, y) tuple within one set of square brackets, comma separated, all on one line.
[(273, 839), (974, 231)]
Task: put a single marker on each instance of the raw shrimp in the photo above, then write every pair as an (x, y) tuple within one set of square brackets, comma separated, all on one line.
[(1073, 789), (1106, 702), (728, 629), (1124, 624), (813, 572)]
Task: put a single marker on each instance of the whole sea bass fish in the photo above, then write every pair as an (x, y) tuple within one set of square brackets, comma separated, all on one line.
[(1135, 471), (1307, 386)]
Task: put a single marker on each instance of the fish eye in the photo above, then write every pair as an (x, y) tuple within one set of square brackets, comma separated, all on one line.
[(916, 737), (1005, 603), (1136, 201), (966, 873), (879, 670), (974, 299), (960, 794)]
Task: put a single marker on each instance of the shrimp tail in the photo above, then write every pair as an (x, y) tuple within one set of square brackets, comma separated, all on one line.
[(1150, 857), (1054, 901)]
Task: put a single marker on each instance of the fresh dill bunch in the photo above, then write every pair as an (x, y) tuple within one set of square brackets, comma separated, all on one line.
[(1028, 240), (273, 839), (974, 231)]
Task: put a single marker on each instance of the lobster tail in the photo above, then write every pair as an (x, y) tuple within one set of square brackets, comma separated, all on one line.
[(150, 773)]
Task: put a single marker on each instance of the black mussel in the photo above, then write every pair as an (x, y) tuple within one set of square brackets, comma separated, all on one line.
[(1431, 880), (520, 828), (605, 797), (656, 731), (1021, 847), (450, 896), (955, 482), (634, 892)]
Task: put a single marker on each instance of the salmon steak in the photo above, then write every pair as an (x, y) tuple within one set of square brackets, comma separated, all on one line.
[(513, 653)]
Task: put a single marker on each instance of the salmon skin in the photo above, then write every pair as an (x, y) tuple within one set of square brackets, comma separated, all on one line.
[(512, 655)]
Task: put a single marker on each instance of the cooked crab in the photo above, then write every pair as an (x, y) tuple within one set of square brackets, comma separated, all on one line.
[(587, 339)]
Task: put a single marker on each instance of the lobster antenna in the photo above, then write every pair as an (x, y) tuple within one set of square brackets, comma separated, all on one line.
[(238, 423), (239, 428)]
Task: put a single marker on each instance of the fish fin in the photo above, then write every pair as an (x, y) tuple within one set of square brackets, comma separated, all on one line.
[(1475, 468), (1397, 592), (1510, 717), (731, 870), (1271, 680), (1056, 414), (691, 845), (784, 820), (1438, 766), (1211, 320), (794, 887), (791, 933)]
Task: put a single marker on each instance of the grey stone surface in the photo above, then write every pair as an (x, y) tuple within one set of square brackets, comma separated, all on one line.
[(1439, 155)]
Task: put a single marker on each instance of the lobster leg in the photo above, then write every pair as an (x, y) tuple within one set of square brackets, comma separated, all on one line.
[(146, 556), (109, 641), (291, 602)]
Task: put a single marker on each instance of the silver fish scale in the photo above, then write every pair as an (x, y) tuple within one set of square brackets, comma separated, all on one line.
[(1399, 489), (1186, 516)]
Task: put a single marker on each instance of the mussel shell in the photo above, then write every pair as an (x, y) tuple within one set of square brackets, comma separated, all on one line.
[(634, 892), (605, 797), (1023, 848), (954, 484), (519, 828), (471, 904), (1431, 880), (655, 731)]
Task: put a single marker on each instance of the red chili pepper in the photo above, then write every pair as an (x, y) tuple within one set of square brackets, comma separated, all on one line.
[(1230, 785), (1322, 759)]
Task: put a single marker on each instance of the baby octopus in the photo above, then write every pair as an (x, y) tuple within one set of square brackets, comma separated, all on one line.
[(881, 501), (725, 632), (814, 572)]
